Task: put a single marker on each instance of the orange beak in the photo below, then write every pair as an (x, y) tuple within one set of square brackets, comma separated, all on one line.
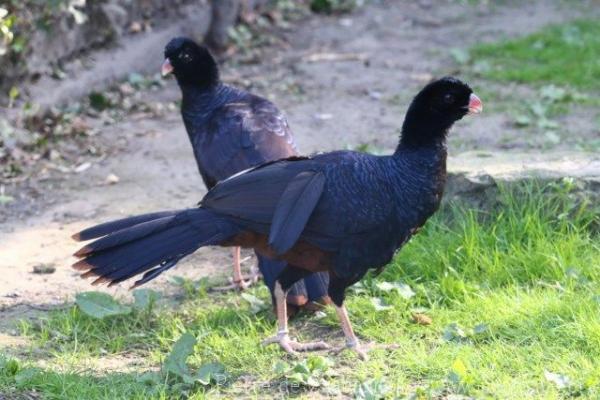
[(475, 105), (166, 68)]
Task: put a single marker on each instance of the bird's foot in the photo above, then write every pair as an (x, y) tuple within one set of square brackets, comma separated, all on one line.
[(244, 283), (291, 346), (360, 349)]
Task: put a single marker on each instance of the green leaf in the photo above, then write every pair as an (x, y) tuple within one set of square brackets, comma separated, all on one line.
[(144, 299), (178, 280), (297, 377), (9, 366), (403, 289), (26, 375), (459, 374), (560, 381), (313, 382), (212, 373), (460, 56), (554, 93), (256, 304), (4, 199), (319, 363), (480, 329), (522, 120), (135, 79), (374, 389), (176, 361), (454, 332), (379, 304), (13, 93), (302, 368), (100, 305), (99, 101), (281, 367), (149, 378)]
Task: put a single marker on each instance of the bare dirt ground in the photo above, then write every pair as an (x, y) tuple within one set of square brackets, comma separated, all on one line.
[(343, 81)]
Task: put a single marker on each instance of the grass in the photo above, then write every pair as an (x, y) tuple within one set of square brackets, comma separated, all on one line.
[(554, 77), (513, 294), (567, 54)]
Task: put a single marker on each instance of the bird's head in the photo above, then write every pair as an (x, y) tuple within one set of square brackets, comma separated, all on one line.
[(191, 63), (437, 106)]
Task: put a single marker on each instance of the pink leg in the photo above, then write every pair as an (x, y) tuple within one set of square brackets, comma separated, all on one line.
[(239, 281), (282, 337), (351, 339)]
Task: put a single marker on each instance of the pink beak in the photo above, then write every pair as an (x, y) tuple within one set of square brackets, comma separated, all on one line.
[(166, 68), (475, 104)]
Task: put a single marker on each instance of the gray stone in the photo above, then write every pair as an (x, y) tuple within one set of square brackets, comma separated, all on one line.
[(476, 176)]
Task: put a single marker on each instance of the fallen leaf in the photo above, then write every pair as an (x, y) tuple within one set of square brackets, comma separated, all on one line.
[(135, 27), (318, 57), (421, 319), (82, 167), (111, 179), (323, 117), (79, 125), (44, 268)]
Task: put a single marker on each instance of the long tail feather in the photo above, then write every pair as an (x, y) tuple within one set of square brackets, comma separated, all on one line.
[(113, 226), (131, 249)]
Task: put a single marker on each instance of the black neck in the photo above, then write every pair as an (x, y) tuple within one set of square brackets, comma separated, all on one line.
[(198, 103), (424, 128)]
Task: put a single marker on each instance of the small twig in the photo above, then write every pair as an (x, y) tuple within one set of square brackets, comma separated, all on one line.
[(318, 57)]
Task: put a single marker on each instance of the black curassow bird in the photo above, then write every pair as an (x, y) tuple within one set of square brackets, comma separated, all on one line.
[(342, 212), (232, 130)]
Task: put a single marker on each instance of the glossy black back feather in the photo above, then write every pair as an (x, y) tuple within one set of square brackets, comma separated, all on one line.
[(231, 130), (294, 208)]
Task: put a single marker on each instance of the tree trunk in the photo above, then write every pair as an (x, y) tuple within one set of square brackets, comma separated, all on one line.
[(224, 16)]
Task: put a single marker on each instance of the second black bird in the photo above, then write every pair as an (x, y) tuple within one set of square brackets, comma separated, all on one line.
[(232, 130)]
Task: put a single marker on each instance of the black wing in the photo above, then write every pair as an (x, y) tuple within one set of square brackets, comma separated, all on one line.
[(336, 201), (252, 197), (241, 135)]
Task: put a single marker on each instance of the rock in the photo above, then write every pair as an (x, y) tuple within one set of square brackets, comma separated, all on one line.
[(475, 176)]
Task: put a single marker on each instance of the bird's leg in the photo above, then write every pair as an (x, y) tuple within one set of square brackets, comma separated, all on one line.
[(239, 281), (352, 341), (282, 337), (336, 290)]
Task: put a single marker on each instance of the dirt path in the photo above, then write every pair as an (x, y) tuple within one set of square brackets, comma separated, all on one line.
[(390, 50)]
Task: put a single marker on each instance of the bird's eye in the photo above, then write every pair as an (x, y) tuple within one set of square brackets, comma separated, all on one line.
[(185, 57), (448, 99)]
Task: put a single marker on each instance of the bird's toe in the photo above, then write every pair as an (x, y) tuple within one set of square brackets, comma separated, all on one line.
[(362, 350), (310, 346), (292, 346)]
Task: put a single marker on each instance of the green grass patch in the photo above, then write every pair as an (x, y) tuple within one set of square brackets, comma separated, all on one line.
[(567, 54), (513, 295)]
